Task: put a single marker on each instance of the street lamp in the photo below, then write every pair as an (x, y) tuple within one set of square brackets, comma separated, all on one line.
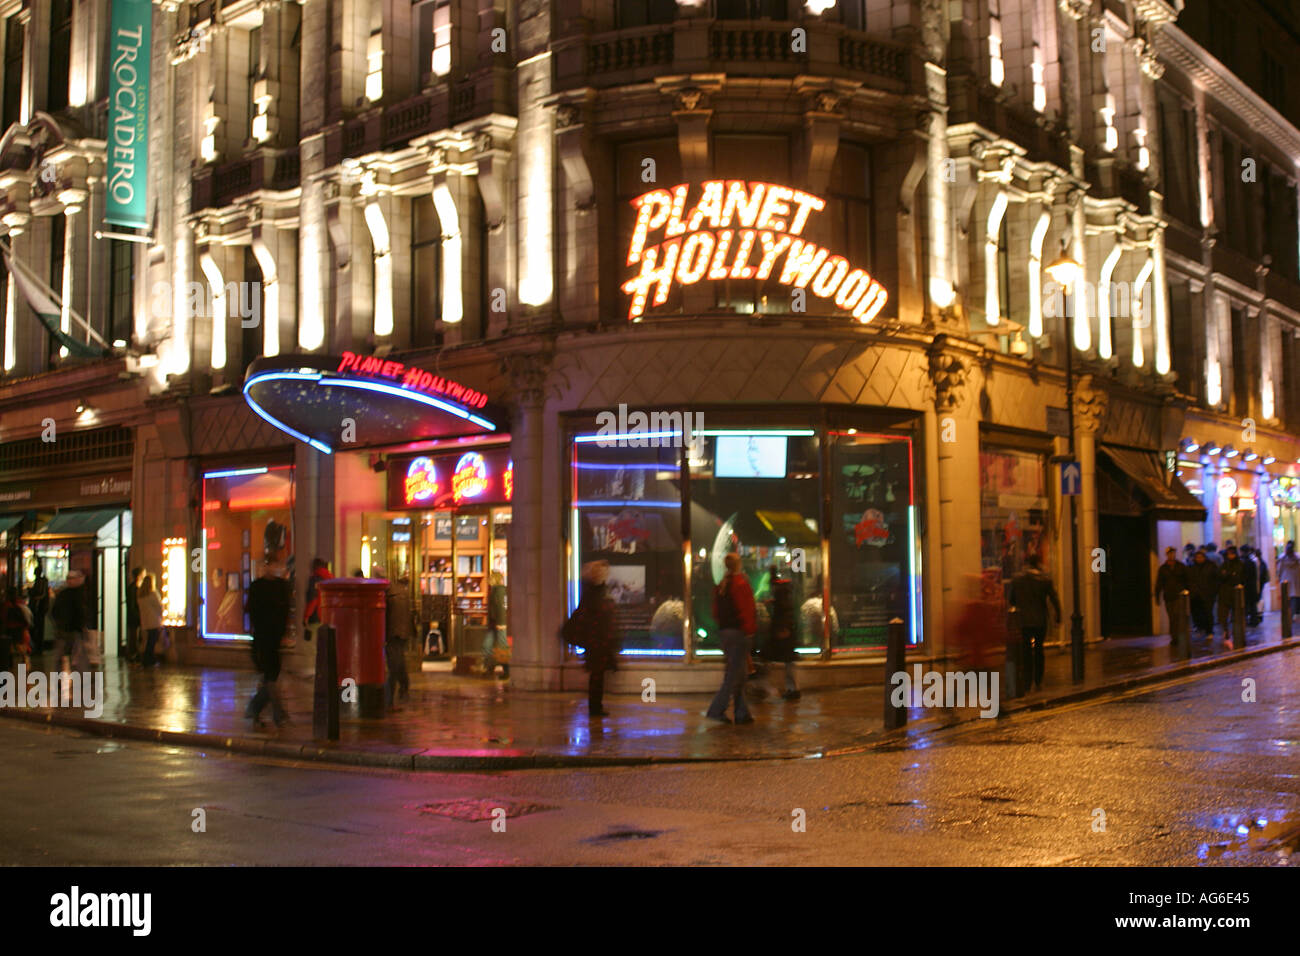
[(1065, 271)]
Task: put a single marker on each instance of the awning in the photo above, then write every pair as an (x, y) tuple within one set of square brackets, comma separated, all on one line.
[(8, 521), (354, 401), (1157, 489), (79, 522)]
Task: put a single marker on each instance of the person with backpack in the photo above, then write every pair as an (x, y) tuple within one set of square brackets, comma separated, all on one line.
[(593, 628), (733, 609)]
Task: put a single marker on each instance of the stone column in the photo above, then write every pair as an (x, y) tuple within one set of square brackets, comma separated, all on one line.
[(1089, 416), (536, 573), (1210, 473)]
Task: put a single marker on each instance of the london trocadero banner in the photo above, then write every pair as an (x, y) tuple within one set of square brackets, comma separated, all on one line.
[(751, 227), (128, 114)]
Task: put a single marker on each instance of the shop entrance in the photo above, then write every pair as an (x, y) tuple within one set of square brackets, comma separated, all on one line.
[(1126, 585)]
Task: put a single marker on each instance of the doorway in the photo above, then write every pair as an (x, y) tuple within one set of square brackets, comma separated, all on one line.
[(1126, 583)]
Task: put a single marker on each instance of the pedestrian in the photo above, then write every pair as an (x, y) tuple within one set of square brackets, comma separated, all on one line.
[(1172, 580), (1250, 583), (1288, 572), (133, 615), (1264, 578), (1189, 554), (399, 629), (15, 629), (149, 617), (38, 599), (496, 626), (1203, 585), (1231, 574), (1031, 592), (268, 612), (783, 636), (320, 571), (593, 628), (1213, 555), (69, 613), (733, 609)]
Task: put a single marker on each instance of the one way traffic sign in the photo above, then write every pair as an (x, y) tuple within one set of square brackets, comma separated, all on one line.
[(1071, 478)]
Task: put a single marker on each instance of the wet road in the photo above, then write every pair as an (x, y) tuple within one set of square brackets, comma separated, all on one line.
[(1187, 774)]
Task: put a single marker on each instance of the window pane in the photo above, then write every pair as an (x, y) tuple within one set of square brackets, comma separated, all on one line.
[(627, 511), (875, 553), (247, 519), (757, 494), (1013, 511)]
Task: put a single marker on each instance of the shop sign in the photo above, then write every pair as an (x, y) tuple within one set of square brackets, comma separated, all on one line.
[(739, 230), (469, 480), (421, 481), (435, 481), (412, 379), (105, 486), (128, 114)]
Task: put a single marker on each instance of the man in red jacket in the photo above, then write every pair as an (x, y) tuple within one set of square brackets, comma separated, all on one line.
[(733, 609)]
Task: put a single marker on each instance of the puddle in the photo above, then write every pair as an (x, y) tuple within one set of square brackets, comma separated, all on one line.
[(1274, 834)]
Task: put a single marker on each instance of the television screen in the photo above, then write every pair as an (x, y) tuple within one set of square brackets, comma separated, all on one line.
[(749, 456)]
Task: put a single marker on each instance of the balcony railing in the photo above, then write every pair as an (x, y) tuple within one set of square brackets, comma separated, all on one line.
[(631, 50), (266, 168)]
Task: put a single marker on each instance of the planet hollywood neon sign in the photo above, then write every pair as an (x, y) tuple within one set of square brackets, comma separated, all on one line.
[(469, 480), (750, 228)]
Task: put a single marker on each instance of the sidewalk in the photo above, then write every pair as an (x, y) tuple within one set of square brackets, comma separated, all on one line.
[(466, 723)]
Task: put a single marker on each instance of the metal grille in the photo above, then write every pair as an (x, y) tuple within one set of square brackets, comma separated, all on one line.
[(67, 448)]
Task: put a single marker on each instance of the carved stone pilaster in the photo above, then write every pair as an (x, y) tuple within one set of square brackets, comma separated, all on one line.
[(529, 374), (1090, 406), (947, 377)]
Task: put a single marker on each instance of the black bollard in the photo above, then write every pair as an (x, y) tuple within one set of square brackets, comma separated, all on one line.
[(1238, 617), (1286, 610), (1015, 683), (1182, 628), (325, 703), (895, 662)]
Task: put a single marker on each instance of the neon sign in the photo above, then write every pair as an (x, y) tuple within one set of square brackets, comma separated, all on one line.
[(746, 222), (416, 379), (469, 480), (421, 481), (508, 480)]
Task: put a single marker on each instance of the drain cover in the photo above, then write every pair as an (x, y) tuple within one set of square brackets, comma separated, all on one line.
[(472, 811)]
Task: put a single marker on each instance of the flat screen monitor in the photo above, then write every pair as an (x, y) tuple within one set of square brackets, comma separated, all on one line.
[(749, 456)]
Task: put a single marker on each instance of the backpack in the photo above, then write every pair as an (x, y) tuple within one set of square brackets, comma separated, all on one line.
[(574, 630)]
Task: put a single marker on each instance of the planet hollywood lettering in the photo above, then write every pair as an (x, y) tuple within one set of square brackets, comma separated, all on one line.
[(766, 232), (413, 378)]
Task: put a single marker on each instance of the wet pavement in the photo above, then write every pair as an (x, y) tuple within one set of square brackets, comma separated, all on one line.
[(452, 722), (1193, 772)]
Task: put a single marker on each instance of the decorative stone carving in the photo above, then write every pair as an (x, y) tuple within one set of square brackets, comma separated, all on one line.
[(827, 101), (947, 377), (934, 22), (1075, 9), (1090, 406), (483, 142), (567, 115), (528, 375), (690, 98)]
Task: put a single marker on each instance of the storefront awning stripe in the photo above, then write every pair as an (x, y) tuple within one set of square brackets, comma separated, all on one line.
[(1167, 499), (8, 521), (80, 522)]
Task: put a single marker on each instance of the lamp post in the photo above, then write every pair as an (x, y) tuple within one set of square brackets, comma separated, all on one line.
[(1065, 270)]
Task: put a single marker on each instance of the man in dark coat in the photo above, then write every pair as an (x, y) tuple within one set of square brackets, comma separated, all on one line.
[(399, 630), (783, 636), (1031, 592), (268, 612), (1250, 582), (1203, 583), (70, 621), (133, 615), (38, 599), (1172, 580), (596, 631), (1232, 573)]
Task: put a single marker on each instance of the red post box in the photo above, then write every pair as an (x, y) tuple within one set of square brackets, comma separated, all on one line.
[(355, 608)]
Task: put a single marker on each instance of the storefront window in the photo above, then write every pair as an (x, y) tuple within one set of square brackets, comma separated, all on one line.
[(247, 520), (626, 509), (1013, 511), (756, 493), (874, 549)]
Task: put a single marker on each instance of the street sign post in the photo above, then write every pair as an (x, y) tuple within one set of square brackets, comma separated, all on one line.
[(1071, 478), (1058, 421)]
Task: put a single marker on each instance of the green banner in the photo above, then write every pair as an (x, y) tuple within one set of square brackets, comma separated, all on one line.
[(128, 113)]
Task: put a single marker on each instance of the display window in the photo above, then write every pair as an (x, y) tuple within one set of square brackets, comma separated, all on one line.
[(247, 520), (1013, 511)]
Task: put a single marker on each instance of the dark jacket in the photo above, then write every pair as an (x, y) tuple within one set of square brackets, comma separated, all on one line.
[(733, 604), (132, 608), (1203, 580), (399, 624), (600, 635), (1031, 590), (1171, 581), (785, 623), (1231, 574), (1250, 579), (69, 609), (497, 605), (268, 611)]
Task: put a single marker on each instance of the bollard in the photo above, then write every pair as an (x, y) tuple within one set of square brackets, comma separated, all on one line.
[(1286, 610), (1014, 683), (325, 703), (895, 662), (1238, 617), (1183, 626)]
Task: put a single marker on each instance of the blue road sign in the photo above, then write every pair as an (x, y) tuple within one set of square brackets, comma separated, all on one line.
[(1071, 478)]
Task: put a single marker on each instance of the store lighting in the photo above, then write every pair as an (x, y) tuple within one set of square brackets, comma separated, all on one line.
[(1230, 452), (1190, 446), (1250, 455), (1269, 459), (175, 555), (234, 472), (1212, 449), (1064, 270)]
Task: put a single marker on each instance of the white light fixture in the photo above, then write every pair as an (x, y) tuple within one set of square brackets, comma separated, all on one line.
[(1213, 449), (1230, 452), (1064, 269)]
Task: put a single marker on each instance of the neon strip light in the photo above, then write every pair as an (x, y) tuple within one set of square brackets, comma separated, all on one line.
[(911, 541), (650, 652), (707, 652), (627, 504), (234, 472), (413, 396), (746, 432), (614, 439), (607, 466), (266, 416)]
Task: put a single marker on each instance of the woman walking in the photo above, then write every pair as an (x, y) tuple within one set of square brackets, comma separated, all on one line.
[(151, 617)]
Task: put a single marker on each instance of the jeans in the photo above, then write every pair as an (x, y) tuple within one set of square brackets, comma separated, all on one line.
[(395, 655), (268, 691), (735, 649), (151, 636), (494, 637), (1033, 638), (1203, 614), (790, 685), (71, 644)]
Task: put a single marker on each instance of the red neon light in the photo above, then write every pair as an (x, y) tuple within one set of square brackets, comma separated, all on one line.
[(470, 477), (690, 253), (508, 480), (416, 379), (421, 481)]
